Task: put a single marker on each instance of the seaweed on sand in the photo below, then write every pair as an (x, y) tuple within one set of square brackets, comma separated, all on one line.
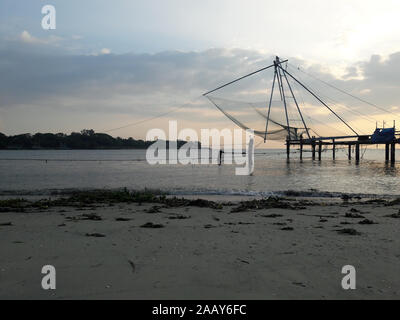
[(86, 216), (366, 221), (13, 205), (268, 203), (181, 202), (178, 217), (112, 196), (394, 215), (154, 209), (349, 231), (84, 199), (152, 225), (354, 215), (96, 235)]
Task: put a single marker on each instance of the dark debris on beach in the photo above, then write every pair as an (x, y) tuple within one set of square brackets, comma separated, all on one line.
[(394, 215), (354, 215), (349, 231), (152, 225), (86, 216), (92, 198), (367, 221), (272, 215), (268, 203), (96, 235), (122, 219), (178, 217)]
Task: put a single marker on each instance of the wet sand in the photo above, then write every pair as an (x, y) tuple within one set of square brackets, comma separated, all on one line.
[(154, 251)]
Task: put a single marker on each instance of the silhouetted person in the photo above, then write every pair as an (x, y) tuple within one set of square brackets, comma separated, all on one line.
[(220, 156)]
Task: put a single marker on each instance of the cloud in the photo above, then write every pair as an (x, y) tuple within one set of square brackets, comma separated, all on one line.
[(105, 51), (144, 85), (77, 37), (26, 37)]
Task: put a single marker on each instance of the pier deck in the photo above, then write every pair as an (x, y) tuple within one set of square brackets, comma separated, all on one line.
[(316, 144)]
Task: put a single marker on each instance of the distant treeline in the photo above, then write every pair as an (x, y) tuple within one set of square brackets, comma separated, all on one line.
[(86, 139)]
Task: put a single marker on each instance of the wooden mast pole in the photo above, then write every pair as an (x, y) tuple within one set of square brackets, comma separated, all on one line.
[(269, 106)]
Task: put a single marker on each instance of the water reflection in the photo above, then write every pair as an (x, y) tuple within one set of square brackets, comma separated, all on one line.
[(98, 169), (390, 169)]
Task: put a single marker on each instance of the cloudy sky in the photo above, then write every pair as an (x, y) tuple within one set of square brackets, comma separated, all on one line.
[(109, 64)]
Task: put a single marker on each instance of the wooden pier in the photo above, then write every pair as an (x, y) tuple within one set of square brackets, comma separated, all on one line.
[(355, 143), (297, 132)]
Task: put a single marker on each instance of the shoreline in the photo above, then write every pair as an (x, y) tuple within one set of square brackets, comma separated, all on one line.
[(117, 245), (235, 196)]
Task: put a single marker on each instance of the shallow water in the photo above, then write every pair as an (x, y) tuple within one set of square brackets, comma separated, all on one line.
[(28, 170)]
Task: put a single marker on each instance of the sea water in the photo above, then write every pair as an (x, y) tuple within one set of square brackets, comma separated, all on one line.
[(41, 171)]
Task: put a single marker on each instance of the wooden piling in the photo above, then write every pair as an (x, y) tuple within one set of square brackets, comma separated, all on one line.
[(301, 149), (393, 152), (313, 149), (387, 152), (319, 150), (287, 149), (314, 143), (349, 155), (357, 152)]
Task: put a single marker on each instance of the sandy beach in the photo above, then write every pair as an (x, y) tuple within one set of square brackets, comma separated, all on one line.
[(278, 248)]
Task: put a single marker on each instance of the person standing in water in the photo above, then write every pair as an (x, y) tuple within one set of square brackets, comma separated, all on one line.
[(220, 156)]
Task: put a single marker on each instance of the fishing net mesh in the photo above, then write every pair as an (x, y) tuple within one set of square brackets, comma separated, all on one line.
[(294, 108), (254, 115)]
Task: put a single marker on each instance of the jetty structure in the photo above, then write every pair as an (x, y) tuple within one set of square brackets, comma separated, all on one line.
[(291, 126)]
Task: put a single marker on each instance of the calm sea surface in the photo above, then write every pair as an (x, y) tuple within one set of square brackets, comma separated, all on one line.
[(82, 169)]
